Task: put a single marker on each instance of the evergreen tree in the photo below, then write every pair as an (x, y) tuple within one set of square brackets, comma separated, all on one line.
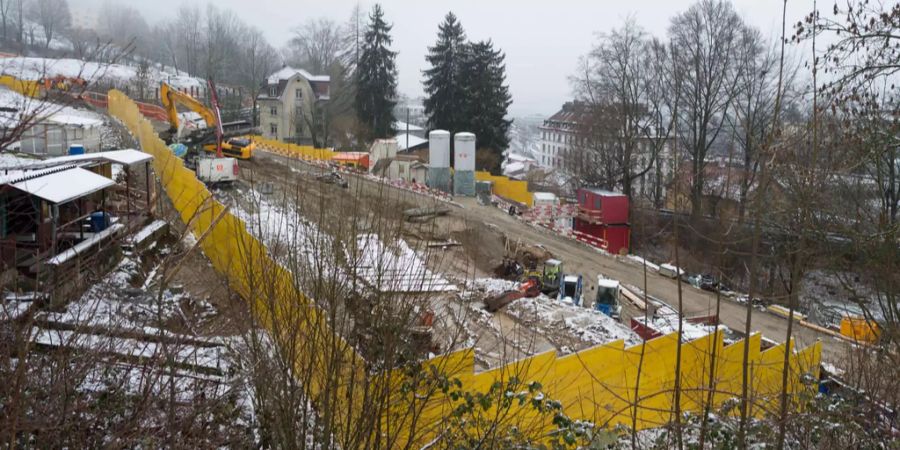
[(445, 94), (376, 78), (487, 100)]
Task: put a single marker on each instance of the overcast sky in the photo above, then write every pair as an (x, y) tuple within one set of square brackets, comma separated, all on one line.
[(542, 39)]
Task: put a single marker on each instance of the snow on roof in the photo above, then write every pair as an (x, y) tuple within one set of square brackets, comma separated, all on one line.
[(288, 72), (548, 196), (65, 185), (414, 141), (607, 283), (126, 157), (599, 191), (571, 278), (403, 126)]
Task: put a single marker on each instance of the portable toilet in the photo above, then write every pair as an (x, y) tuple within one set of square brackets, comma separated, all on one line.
[(76, 149)]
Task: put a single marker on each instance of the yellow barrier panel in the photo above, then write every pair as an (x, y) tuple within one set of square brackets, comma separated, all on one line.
[(306, 152), (511, 189), (27, 88), (607, 384)]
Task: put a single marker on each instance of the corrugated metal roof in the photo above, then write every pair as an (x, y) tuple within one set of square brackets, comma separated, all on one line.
[(64, 185)]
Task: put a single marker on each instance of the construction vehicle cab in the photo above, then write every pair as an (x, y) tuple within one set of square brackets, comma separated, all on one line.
[(607, 300), (550, 277), (570, 289)]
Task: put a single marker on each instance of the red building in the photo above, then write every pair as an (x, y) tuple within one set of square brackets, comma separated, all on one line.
[(604, 215)]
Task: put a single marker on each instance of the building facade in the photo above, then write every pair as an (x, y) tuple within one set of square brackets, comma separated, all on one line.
[(559, 151), (288, 103), (558, 134)]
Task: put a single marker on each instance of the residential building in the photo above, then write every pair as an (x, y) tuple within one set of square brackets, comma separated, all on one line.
[(558, 150), (288, 102), (558, 133)]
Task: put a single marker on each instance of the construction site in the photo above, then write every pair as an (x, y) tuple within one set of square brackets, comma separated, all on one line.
[(390, 293)]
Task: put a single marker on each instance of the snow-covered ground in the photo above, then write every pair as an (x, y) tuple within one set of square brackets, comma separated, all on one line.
[(387, 267), (30, 68), (552, 317), (45, 111), (565, 324)]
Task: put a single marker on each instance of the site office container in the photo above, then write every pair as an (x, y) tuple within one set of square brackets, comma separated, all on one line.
[(603, 206), (617, 236)]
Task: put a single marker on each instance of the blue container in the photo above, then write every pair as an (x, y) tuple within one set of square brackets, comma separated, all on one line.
[(99, 221), (76, 149)]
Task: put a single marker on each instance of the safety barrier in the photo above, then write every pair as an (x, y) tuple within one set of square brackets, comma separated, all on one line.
[(600, 384), (516, 191), (27, 88), (305, 152)]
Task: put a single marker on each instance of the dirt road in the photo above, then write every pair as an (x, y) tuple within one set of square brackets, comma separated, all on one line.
[(579, 258)]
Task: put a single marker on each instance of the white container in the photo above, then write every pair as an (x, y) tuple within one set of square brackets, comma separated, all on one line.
[(464, 152), (217, 170), (670, 271), (439, 149)]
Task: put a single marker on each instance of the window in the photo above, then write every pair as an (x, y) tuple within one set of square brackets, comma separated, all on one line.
[(597, 203), (273, 91), (299, 93), (273, 129), (273, 110)]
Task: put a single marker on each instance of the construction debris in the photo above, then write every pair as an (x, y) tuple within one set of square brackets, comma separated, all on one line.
[(425, 214)]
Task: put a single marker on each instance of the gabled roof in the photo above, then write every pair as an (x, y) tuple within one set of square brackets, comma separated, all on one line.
[(288, 72), (414, 141)]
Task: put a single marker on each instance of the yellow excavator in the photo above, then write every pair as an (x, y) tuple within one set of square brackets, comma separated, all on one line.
[(232, 145)]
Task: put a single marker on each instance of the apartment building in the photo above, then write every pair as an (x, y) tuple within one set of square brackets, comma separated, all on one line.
[(287, 104)]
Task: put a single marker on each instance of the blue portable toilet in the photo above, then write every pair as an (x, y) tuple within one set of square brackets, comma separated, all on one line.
[(76, 149), (99, 221)]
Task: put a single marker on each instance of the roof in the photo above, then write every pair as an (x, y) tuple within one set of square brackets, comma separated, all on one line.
[(571, 114), (288, 72), (124, 157), (403, 126), (605, 192), (414, 141), (607, 283), (64, 185), (349, 156)]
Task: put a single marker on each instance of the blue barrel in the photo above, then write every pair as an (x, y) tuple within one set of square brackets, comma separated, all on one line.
[(99, 221), (76, 149)]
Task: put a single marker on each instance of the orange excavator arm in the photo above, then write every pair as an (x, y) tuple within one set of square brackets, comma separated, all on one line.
[(171, 98)]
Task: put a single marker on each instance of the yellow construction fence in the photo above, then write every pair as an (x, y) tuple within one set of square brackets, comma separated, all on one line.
[(306, 152), (510, 189), (27, 88), (601, 384)]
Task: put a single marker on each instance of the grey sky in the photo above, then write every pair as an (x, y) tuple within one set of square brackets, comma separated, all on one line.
[(542, 39)]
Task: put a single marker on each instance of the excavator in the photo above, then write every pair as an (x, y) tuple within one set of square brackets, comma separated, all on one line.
[(232, 145)]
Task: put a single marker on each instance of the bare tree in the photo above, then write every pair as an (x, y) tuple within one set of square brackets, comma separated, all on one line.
[(52, 15), (258, 59), (704, 40), (124, 26), (316, 46), (751, 117), (611, 86)]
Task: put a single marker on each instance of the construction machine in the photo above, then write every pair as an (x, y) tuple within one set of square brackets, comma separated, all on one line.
[(607, 300), (530, 287), (570, 290), (226, 138)]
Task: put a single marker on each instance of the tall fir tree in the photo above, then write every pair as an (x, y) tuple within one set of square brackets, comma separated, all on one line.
[(376, 78), (444, 93), (487, 101)]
